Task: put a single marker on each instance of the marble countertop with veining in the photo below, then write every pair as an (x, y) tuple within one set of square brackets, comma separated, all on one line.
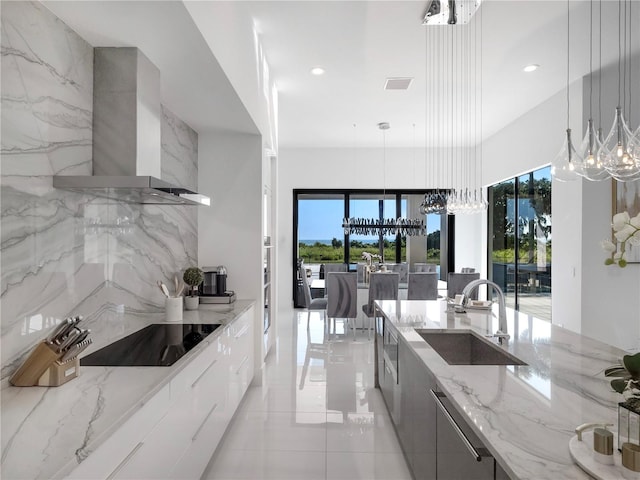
[(525, 415), (46, 432)]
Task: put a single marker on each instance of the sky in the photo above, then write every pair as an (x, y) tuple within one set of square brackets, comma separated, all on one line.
[(322, 219)]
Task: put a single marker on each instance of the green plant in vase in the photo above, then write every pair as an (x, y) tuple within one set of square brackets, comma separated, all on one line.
[(626, 381), (193, 277)]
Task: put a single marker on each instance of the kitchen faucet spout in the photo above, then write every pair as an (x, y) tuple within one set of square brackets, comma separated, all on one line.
[(501, 334)]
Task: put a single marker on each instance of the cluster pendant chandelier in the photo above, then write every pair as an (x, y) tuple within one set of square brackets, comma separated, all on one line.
[(617, 155), (454, 111), (384, 226)]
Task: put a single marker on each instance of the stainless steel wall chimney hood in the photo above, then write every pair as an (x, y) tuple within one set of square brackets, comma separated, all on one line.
[(126, 134)]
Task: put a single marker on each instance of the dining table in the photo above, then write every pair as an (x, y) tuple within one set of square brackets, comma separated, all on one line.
[(362, 321), (319, 284)]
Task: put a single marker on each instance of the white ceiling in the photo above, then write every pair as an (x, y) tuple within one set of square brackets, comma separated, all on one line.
[(359, 43)]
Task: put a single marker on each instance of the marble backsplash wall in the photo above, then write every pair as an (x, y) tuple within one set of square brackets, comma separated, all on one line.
[(65, 253)]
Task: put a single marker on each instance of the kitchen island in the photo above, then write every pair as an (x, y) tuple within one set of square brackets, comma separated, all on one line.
[(524, 415), (49, 432)]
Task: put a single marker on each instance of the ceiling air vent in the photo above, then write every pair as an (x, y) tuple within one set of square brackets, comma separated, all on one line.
[(398, 83)]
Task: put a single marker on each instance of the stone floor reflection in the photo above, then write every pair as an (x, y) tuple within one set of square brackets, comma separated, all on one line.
[(317, 414)]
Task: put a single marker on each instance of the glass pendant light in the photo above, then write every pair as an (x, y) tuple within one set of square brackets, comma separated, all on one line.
[(592, 168), (563, 166), (616, 151)]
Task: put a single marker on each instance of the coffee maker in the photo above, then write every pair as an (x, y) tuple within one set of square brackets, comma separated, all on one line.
[(214, 287)]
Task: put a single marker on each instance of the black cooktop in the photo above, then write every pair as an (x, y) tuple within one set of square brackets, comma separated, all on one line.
[(159, 344)]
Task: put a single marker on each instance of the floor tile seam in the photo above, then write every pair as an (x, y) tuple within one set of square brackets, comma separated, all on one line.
[(229, 450), (288, 411)]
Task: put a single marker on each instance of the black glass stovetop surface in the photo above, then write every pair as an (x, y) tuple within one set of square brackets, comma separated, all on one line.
[(159, 344)]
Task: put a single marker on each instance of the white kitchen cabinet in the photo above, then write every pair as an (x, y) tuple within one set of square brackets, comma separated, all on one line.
[(240, 343), (112, 455), (175, 434), (195, 396)]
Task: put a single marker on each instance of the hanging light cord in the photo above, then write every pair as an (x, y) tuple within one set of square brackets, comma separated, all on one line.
[(590, 57), (568, 26), (600, 67), (624, 66), (619, 54)]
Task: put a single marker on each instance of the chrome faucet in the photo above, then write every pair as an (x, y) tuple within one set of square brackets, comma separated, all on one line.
[(501, 334)]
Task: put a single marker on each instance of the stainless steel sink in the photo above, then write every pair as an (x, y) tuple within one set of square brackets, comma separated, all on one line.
[(466, 348)]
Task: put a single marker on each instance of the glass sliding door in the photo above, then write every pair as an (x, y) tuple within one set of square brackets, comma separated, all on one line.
[(520, 241), (320, 234), (534, 243), (319, 237), (369, 207), (502, 245)]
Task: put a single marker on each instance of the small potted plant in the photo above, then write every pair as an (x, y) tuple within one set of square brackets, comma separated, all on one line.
[(626, 381), (193, 277)]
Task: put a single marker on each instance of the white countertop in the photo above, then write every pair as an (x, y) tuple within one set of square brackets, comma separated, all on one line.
[(46, 432), (525, 415)]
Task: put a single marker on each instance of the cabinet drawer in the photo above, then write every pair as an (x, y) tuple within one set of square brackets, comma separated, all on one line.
[(205, 358), (113, 454), (180, 428), (203, 443)]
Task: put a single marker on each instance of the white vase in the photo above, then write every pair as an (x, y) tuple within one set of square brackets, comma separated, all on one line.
[(173, 309), (191, 303)]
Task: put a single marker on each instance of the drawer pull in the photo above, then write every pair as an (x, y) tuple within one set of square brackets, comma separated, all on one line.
[(476, 453), (242, 332), (244, 360), (195, 435), (125, 461), (202, 374)]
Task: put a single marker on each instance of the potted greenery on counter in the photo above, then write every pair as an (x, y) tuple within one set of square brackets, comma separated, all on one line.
[(193, 277), (626, 381)]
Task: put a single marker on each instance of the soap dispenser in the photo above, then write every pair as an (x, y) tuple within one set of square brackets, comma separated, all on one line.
[(602, 441)]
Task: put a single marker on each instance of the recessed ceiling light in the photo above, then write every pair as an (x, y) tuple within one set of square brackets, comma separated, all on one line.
[(531, 68), (317, 71)]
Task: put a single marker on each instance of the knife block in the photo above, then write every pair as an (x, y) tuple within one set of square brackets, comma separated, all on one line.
[(60, 373), (42, 368), (39, 360)]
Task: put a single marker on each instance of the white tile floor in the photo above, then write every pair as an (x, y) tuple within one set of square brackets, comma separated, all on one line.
[(318, 414)]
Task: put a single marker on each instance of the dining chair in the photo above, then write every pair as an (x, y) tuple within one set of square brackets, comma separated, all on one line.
[(457, 281), (382, 286), (334, 267), (424, 267), (342, 296), (401, 268), (311, 303), (327, 268), (423, 286), (360, 269)]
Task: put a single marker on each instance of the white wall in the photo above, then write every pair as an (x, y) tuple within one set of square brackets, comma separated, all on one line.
[(470, 248), (230, 230), (234, 39)]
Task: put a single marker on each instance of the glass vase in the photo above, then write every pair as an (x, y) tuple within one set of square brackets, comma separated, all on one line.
[(629, 422)]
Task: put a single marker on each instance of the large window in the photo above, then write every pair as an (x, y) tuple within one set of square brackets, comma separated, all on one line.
[(520, 241), (319, 237)]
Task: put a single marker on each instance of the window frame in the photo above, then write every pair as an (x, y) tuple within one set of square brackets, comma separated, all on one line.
[(447, 227)]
